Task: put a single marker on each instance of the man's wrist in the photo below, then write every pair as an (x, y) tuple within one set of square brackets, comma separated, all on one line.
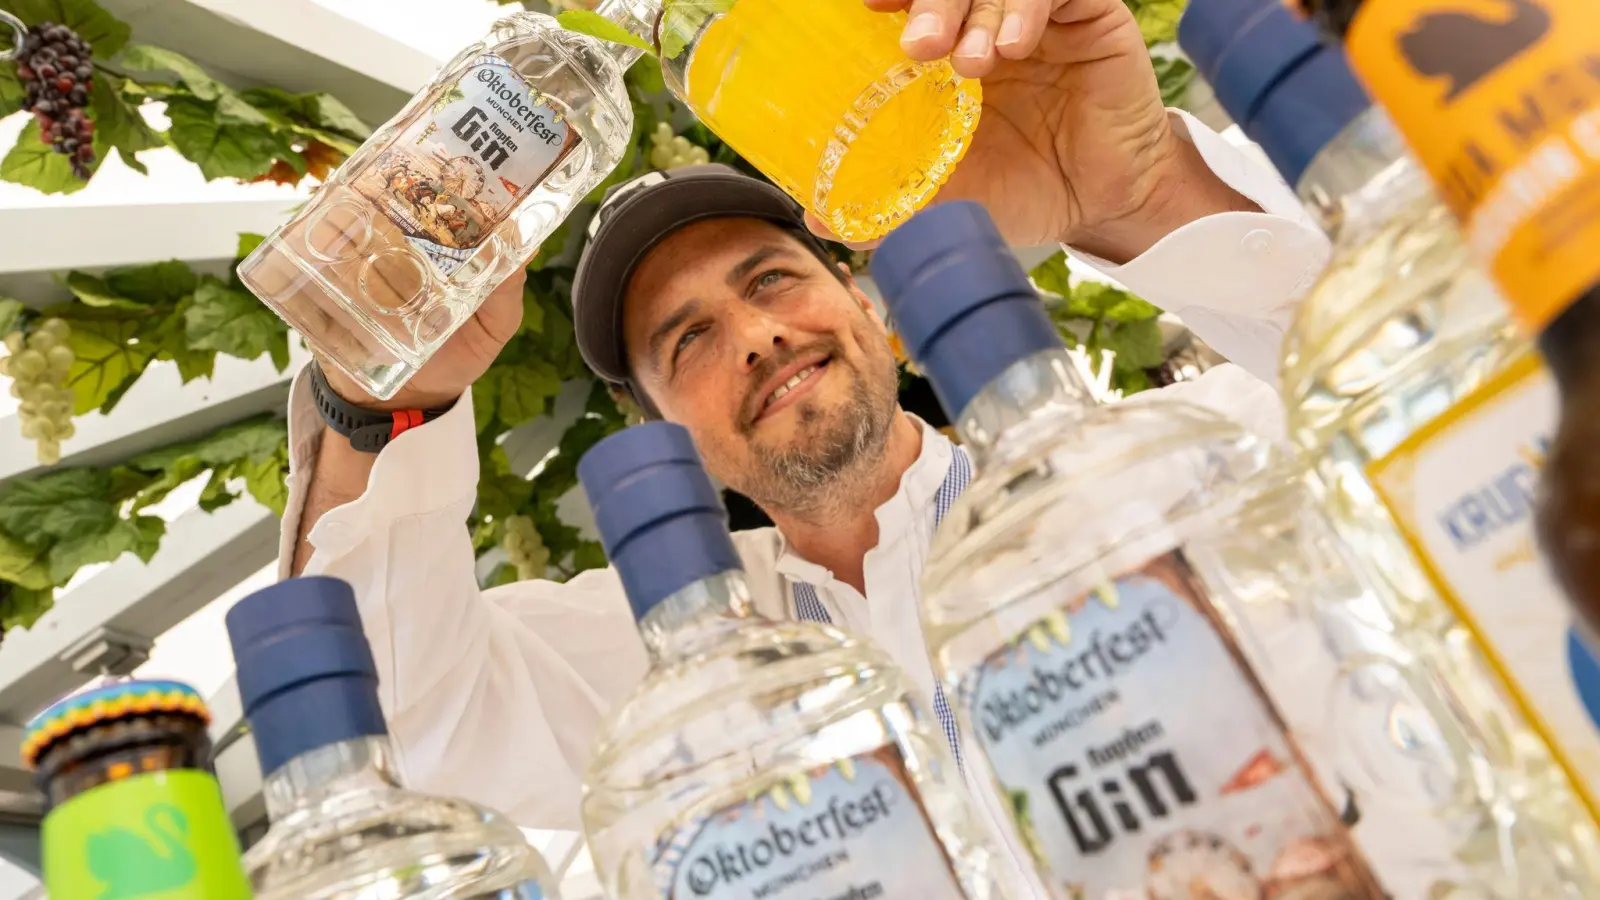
[(1180, 188), (366, 430), (409, 397)]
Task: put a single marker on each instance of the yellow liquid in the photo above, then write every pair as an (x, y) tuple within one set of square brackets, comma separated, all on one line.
[(819, 96)]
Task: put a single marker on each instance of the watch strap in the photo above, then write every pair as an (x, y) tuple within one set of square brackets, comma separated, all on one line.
[(367, 430)]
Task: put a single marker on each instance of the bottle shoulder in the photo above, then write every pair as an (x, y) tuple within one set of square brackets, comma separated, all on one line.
[(374, 838), (1069, 491)]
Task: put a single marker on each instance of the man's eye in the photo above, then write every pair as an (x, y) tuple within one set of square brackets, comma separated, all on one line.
[(686, 337), (768, 279)]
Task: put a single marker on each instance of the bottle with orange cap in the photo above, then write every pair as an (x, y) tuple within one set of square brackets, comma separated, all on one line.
[(133, 809)]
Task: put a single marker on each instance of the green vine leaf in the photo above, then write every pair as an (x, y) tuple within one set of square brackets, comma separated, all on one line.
[(11, 91), (597, 26), (20, 607), (322, 112), (1053, 275), (233, 322), (223, 145), (181, 471), (140, 536), (1173, 75), (145, 58), (105, 33), (96, 292), (24, 565), (1158, 19), (32, 163), (10, 314), (111, 357), (154, 284), (266, 481), (118, 126), (524, 390), (59, 505), (171, 339), (248, 244), (1137, 345)]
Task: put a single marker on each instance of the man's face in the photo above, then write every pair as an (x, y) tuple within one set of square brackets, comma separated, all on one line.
[(782, 373)]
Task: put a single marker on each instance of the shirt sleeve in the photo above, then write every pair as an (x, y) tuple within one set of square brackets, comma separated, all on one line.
[(1233, 278), (497, 695)]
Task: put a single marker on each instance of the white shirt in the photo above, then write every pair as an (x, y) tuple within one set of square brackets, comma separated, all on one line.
[(498, 695)]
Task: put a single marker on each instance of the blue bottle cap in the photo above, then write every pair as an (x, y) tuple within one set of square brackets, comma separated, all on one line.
[(306, 674), (960, 300), (1286, 89), (660, 519)]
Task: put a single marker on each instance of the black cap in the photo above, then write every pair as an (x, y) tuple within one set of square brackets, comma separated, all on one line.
[(960, 300), (660, 519), (1287, 90), (306, 674), (637, 216)]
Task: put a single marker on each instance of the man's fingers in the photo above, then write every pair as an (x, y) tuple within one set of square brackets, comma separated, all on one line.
[(1022, 28), (932, 27), (974, 55)]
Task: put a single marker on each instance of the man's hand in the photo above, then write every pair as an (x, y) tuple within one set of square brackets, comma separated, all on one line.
[(1074, 145), (456, 365)]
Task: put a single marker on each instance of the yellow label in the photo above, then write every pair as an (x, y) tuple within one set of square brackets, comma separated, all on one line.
[(1500, 100)]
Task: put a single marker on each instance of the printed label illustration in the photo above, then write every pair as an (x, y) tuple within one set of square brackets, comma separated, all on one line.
[(1141, 761), (163, 835), (1500, 99), (1462, 490), (451, 177), (854, 830)]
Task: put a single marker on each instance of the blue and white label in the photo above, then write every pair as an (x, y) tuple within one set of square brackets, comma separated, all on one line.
[(458, 170), (854, 830), (1141, 760), (1463, 491)]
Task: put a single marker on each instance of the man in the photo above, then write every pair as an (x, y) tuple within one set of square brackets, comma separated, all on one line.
[(703, 296)]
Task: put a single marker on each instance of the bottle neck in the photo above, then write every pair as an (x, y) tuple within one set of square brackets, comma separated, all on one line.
[(1035, 385), (684, 623), (1366, 174), (638, 18), (338, 768)]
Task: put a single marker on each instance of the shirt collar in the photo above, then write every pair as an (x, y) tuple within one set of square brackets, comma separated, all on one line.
[(911, 504)]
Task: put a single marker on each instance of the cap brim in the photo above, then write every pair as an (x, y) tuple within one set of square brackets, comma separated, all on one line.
[(634, 228)]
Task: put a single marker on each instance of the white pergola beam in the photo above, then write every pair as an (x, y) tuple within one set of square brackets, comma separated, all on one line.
[(36, 244), (161, 410), (297, 45)]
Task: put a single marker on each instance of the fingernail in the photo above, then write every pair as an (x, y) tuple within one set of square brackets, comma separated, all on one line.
[(925, 25), (1010, 30), (975, 45)]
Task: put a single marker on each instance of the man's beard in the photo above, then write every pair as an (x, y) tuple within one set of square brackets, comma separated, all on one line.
[(813, 473)]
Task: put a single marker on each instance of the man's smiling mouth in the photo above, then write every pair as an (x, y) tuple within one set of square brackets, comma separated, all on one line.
[(787, 392)]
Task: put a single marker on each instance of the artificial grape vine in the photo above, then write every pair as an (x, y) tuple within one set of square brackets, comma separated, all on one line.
[(674, 151), (55, 68), (38, 365), (522, 543)]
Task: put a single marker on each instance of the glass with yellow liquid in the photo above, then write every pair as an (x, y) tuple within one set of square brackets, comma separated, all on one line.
[(820, 97)]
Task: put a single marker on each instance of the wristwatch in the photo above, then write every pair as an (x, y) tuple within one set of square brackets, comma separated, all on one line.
[(369, 431)]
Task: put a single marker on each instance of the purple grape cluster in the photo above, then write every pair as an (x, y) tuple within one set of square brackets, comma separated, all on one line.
[(57, 72)]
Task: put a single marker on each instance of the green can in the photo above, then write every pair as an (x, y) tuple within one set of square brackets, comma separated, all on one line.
[(134, 812)]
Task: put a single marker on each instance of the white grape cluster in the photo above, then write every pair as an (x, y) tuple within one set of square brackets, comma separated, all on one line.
[(526, 548), (674, 151), (38, 366)]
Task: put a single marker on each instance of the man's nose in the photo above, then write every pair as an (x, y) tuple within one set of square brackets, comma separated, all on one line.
[(758, 336)]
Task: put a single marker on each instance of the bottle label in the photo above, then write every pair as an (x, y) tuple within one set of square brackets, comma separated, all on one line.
[(1141, 759), (853, 830), (1462, 491), (163, 834), (453, 174), (1500, 99)]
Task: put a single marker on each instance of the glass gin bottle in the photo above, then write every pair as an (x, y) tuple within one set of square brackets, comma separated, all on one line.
[(406, 239), (343, 826), (757, 756), (1424, 417), (1089, 603)]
